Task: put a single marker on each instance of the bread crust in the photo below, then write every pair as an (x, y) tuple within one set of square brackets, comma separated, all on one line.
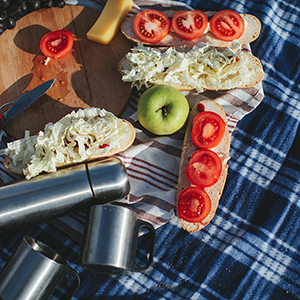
[(251, 33), (188, 149)]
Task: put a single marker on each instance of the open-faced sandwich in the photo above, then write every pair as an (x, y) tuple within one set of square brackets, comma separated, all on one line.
[(188, 28), (87, 134), (203, 168), (199, 68)]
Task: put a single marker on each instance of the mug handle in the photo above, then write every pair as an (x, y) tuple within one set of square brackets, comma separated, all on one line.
[(73, 273), (140, 223)]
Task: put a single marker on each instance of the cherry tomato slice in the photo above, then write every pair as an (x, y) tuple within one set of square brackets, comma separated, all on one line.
[(57, 44), (227, 25), (204, 168), (151, 26), (189, 25), (208, 130), (193, 204)]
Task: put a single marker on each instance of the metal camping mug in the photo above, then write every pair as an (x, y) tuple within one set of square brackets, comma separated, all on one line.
[(33, 272), (110, 240)]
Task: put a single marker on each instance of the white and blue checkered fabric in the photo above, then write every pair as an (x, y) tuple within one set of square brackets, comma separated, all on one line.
[(251, 248)]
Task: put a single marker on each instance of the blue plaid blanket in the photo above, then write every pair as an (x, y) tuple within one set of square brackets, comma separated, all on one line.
[(250, 250)]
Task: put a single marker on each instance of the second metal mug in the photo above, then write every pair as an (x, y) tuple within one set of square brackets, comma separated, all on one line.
[(110, 240), (33, 272)]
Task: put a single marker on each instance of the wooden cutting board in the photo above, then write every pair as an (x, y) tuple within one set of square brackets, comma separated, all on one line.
[(87, 77)]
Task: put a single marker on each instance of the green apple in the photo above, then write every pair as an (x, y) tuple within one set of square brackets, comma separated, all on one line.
[(162, 110)]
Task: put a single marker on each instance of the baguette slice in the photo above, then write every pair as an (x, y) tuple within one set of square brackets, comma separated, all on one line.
[(189, 149), (25, 156), (253, 77), (251, 33)]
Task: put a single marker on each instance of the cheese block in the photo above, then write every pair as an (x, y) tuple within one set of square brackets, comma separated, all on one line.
[(107, 25)]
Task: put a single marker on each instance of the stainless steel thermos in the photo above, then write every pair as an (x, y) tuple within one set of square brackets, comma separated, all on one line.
[(67, 190)]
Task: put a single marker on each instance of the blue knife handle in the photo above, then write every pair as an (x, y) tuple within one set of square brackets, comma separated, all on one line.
[(94, 4)]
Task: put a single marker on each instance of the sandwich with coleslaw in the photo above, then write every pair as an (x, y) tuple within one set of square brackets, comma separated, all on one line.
[(196, 69), (87, 134)]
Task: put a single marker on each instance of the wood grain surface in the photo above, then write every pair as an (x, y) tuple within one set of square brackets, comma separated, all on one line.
[(87, 77)]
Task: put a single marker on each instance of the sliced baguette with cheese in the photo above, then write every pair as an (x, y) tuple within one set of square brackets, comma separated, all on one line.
[(188, 149), (196, 69), (251, 33), (85, 135)]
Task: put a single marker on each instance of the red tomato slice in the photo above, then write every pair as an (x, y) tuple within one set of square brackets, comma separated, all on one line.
[(227, 25), (189, 25), (57, 44), (208, 130), (151, 25), (204, 168), (193, 204)]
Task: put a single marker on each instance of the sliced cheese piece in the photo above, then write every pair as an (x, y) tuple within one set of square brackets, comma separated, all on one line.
[(107, 25)]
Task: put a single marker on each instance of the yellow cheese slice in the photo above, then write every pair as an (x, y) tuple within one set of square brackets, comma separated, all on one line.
[(107, 25)]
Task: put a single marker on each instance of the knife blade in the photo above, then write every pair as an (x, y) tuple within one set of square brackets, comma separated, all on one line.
[(24, 102)]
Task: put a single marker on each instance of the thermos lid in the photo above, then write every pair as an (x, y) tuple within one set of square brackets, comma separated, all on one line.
[(109, 179)]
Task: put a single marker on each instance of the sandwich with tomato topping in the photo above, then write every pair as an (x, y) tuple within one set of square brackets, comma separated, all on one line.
[(203, 168), (189, 28)]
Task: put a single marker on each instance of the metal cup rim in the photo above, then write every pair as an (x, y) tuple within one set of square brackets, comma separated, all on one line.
[(44, 250)]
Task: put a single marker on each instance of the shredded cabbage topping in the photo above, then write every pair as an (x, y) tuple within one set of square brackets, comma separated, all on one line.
[(199, 67), (20, 151), (74, 138)]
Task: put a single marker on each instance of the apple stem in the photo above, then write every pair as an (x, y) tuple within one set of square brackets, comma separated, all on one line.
[(164, 111)]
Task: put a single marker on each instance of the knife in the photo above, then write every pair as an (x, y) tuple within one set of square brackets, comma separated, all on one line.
[(23, 102)]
